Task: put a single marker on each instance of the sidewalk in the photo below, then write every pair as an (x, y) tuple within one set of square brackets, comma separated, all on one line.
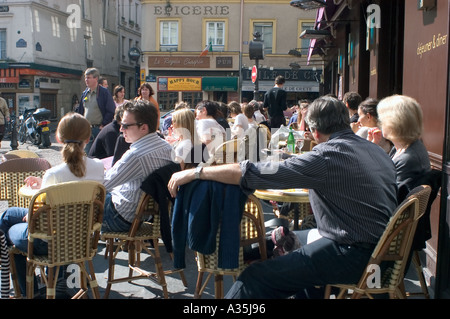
[(147, 289)]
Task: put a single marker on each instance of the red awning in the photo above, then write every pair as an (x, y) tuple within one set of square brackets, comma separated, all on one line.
[(9, 76), (319, 16), (325, 14)]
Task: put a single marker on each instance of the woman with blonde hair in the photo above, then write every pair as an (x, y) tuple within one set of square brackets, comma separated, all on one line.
[(401, 123), (183, 122), (74, 132)]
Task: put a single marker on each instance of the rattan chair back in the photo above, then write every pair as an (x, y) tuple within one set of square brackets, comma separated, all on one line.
[(392, 251), (23, 153), (68, 216), (226, 153), (13, 174), (265, 129)]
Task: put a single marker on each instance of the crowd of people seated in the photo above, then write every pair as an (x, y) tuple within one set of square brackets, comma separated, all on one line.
[(387, 134)]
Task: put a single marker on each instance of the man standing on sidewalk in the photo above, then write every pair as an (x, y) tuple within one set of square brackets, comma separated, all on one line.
[(96, 104), (275, 102), (4, 117)]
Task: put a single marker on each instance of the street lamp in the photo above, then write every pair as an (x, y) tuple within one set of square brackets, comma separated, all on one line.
[(256, 52), (308, 4), (13, 143)]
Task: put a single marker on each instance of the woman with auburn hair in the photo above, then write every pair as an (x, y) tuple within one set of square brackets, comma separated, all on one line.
[(146, 92), (368, 120), (119, 95), (74, 132)]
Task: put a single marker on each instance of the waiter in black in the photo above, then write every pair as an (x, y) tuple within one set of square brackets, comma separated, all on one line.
[(275, 103)]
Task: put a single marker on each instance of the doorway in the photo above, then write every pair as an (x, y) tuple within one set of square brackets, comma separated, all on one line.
[(48, 100)]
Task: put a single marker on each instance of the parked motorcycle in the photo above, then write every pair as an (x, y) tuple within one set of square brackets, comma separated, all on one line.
[(34, 125), (42, 116)]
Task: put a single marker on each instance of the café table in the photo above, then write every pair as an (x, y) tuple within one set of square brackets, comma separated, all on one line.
[(27, 191), (298, 197)]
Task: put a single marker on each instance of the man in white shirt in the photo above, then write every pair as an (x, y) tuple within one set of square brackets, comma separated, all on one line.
[(147, 153)]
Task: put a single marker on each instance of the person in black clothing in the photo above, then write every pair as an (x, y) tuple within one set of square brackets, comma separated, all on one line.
[(105, 143), (275, 102), (352, 101)]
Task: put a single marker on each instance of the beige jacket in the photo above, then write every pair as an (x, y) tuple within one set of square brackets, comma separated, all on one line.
[(4, 111)]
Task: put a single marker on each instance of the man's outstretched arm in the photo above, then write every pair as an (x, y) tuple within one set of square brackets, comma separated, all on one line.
[(227, 174)]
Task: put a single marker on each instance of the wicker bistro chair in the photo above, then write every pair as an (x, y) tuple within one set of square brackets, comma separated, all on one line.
[(23, 153), (226, 153), (252, 231), (6, 157), (13, 174), (393, 248), (265, 129), (138, 239), (68, 216), (434, 179), (4, 266)]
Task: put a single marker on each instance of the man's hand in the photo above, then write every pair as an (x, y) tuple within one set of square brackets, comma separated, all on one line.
[(178, 179)]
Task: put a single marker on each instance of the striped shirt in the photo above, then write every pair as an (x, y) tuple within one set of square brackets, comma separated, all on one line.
[(124, 179), (351, 182)]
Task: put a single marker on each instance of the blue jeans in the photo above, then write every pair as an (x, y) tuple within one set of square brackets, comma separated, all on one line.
[(315, 264), (94, 132), (112, 221), (16, 231)]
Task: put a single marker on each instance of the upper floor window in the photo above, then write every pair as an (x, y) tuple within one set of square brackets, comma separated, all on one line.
[(266, 29), (2, 44), (168, 37), (216, 35), (304, 44)]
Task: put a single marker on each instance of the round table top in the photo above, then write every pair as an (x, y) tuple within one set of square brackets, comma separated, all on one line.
[(27, 191), (299, 195)]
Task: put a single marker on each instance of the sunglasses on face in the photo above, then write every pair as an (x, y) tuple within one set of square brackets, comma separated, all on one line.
[(126, 126)]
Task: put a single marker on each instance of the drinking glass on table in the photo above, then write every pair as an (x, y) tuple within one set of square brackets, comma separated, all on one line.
[(299, 142)]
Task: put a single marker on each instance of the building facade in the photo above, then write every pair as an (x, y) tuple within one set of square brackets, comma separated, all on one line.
[(46, 46), (129, 49), (198, 50)]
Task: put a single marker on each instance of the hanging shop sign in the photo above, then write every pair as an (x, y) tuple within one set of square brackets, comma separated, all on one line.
[(184, 62), (179, 83)]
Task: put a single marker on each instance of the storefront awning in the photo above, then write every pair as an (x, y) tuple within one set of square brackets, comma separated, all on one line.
[(325, 15), (220, 83), (289, 86), (9, 75)]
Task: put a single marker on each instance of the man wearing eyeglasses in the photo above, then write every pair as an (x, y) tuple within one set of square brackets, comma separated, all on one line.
[(147, 153)]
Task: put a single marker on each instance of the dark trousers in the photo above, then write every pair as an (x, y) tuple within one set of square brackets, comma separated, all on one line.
[(315, 264), (277, 120)]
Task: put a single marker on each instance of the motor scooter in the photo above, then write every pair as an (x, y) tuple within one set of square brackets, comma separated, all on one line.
[(27, 126), (42, 117)]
